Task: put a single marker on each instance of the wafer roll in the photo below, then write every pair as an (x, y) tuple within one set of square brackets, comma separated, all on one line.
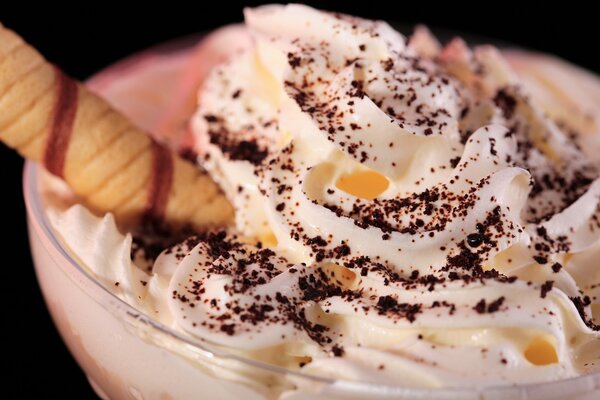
[(108, 162)]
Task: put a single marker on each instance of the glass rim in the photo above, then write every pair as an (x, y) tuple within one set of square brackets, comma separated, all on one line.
[(36, 213)]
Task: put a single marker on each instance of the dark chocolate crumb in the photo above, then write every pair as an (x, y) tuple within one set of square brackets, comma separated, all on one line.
[(337, 351), (540, 259), (545, 288), (556, 267)]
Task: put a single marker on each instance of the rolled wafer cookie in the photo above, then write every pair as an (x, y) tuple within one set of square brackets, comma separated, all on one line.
[(112, 165)]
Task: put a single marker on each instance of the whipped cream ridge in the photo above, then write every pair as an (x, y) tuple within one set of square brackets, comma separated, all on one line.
[(399, 206)]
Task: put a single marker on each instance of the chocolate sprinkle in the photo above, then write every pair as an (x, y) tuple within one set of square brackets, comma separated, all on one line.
[(545, 288)]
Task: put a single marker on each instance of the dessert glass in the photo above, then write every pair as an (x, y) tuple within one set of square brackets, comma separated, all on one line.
[(128, 355)]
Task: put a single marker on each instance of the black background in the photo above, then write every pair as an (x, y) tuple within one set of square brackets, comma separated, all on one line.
[(86, 37)]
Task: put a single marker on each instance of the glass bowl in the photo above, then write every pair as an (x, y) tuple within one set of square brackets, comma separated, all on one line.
[(128, 355)]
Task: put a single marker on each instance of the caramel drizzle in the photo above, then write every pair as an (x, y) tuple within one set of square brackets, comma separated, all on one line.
[(61, 124)]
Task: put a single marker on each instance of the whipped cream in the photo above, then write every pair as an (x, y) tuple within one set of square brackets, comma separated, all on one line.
[(399, 207)]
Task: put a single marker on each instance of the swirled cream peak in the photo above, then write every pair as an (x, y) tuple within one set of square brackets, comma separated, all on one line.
[(399, 205), (412, 204)]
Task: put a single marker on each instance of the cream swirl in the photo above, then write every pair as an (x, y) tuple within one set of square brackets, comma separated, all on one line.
[(399, 206), (462, 237)]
